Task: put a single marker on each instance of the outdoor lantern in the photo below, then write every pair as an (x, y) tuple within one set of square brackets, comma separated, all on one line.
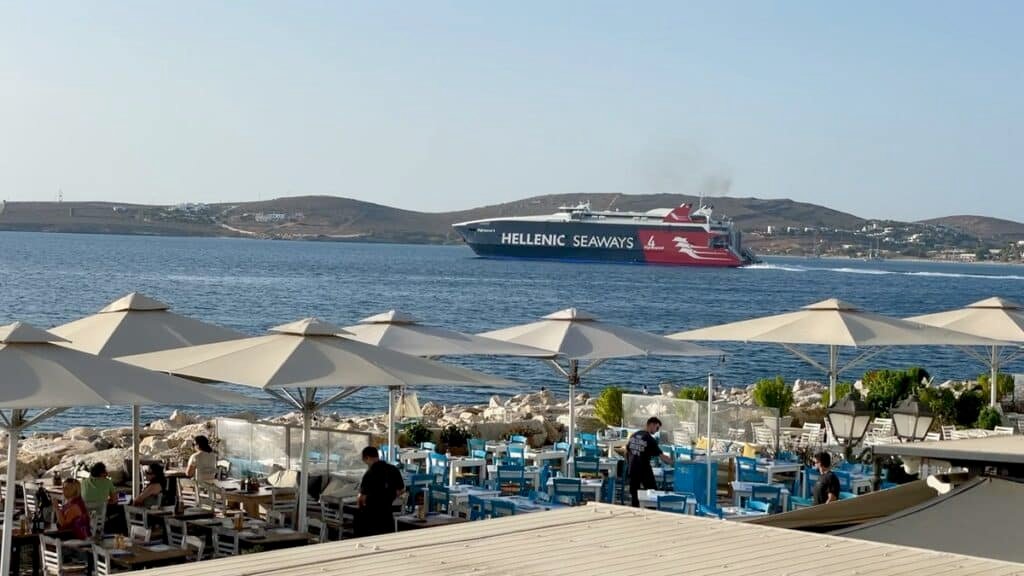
[(849, 418), (912, 419)]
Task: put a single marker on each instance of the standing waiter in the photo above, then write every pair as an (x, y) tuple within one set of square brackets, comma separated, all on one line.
[(381, 485), (641, 448)]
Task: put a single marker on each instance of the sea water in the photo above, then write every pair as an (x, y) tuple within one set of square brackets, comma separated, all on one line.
[(252, 285)]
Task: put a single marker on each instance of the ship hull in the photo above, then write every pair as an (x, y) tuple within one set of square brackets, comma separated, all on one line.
[(599, 242)]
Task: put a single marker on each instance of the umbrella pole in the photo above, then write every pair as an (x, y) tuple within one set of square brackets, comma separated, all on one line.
[(392, 449), (994, 378), (833, 371), (307, 415), (12, 464), (574, 376), (707, 457), (136, 417)]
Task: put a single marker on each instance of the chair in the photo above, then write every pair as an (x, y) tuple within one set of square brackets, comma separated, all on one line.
[(770, 494), (477, 448), (759, 506), (28, 490), (318, 530), (589, 451), (511, 475), (568, 491), (1003, 431), (516, 454), (140, 534), (501, 507), (845, 480), (440, 499), (672, 503), (746, 470), (284, 504), (932, 436), (428, 446), (948, 432), (796, 502), (195, 546), (223, 469), (586, 465), (517, 439), (561, 446), (385, 452), (136, 516), (708, 511), (102, 561), (97, 517), (478, 509), (188, 494), (608, 492), (692, 478), (330, 512), (175, 532), (52, 554), (437, 466), (419, 485), (587, 439), (811, 476), (225, 543)]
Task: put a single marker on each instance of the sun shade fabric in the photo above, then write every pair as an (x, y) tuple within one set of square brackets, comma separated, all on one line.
[(834, 322), (993, 318)]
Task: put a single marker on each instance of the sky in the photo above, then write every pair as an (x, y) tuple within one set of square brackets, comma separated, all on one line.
[(904, 110)]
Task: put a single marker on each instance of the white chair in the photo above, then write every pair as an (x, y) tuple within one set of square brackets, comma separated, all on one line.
[(102, 561), (136, 516), (225, 543), (52, 554), (284, 504), (97, 517), (932, 436), (188, 496), (176, 532), (318, 530), (195, 546), (140, 534), (31, 502), (948, 432), (1002, 431)]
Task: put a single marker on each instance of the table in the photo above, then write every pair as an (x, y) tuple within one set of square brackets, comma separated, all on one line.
[(587, 485), (773, 467), (649, 499), (742, 490), (136, 556), (250, 501), (531, 474), (461, 463), (525, 505), (460, 497), (735, 512), (541, 457), (412, 522), (272, 539), (607, 465), (409, 455)]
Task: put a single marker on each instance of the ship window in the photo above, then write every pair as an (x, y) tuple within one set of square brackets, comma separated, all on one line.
[(718, 242)]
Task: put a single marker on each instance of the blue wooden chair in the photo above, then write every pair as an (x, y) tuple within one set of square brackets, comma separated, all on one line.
[(478, 509), (428, 446), (385, 452), (477, 448), (796, 502), (568, 491), (811, 476), (437, 466), (770, 494), (511, 475), (561, 446), (672, 503), (845, 480), (516, 454), (685, 452), (501, 508), (759, 506), (708, 511), (746, 470), (440, 499), (589, 451), (692, 478), (608, 493), (586, 465), (517, 439), (419, 484)]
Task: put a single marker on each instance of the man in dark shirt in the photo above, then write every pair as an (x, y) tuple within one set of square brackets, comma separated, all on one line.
[(381, 484), (641, 448), (826, 489)]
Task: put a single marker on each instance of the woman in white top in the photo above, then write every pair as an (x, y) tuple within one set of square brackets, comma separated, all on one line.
[(202, 465)]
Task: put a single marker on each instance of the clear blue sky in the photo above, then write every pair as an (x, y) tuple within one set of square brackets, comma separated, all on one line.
[(901, 109)]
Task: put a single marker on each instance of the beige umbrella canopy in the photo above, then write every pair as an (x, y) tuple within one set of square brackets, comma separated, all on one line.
[(36, 374), (402, 332), (296, 360), (833, 323), (575, 335), (995, 318), (135, 324)]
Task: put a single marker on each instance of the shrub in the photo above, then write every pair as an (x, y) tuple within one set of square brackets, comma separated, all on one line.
[(988, 418), (608, 406), (773, 393), (697, 393), (842, 389), (887, 387), (417, 434), (1005, 387), (968, 406), (942, 403), (454, 436)]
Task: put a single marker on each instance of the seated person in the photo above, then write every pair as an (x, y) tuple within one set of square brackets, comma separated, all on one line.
[(152, 494), (97, 488), (73, 514)]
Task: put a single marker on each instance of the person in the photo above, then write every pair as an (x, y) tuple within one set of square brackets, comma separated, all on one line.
[(153, 493), (381, 484), (826, 489), (97, 488), (202, 465), (642, 446), (73, 515)]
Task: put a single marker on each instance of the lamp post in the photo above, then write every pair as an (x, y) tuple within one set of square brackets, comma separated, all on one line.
[(849, 418), (912, 419)]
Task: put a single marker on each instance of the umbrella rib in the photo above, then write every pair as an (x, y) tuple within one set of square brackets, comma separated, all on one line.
[(48, 413), (974, 354), (344, 393), (865, 356), (3, 416), (805, 357), (593, 364), (558, 367), (284, 392), (1013, 356)]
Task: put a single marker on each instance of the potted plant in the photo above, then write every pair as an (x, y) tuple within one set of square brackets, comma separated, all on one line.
[(454, 439), (416, 434), (608, 406), (773, 393)]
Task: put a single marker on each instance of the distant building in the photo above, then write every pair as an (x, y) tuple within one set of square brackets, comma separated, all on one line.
[(271, 217)]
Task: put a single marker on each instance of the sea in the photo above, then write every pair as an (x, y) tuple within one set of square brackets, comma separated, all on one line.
[(252, 285)]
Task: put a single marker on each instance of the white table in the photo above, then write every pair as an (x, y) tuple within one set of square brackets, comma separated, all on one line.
[(531, 474), (462, 463), (735, 513), (649, 499), (460, 497), (742, 490), (591, 485), (541, 457), (410, 455), (607, 465), (773, 467)]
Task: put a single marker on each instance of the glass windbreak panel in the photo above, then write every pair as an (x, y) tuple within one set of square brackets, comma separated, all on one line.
[(346, 451), (269, 448), (235, 444), (679, 418)]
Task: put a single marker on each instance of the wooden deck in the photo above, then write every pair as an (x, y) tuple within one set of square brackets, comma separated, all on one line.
[(600, 539)]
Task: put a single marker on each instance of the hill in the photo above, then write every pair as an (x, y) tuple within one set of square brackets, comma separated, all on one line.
[(985, 227)]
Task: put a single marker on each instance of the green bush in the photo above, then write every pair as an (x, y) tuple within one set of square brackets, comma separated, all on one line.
[(773, 393), (842, 389), (1005, 385), (608, 406), (942, 403), (417, 434), (988, 418), (697, 393), (454, 436), (885, 388), (968, 406)]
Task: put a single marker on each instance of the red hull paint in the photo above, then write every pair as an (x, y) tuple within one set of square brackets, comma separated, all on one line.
[(684, 247)]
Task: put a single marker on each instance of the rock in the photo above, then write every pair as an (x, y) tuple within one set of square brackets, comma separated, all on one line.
[(180, 418), (153, 446), (162, 426), (186, 433), (582, 398), (82, 433), (494, 413), (114, 460), (495, 402)]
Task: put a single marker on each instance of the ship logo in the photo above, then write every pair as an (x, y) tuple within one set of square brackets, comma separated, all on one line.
[(684, 247), (651, 244)]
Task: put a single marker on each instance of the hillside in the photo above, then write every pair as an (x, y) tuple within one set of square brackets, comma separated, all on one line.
[(985, 227)]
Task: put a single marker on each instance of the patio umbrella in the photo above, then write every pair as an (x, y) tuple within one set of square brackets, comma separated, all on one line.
[(402, 332), (36, 374), (134, 324), (575, 336), (995, 318), (833, 323), (295, 361)]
